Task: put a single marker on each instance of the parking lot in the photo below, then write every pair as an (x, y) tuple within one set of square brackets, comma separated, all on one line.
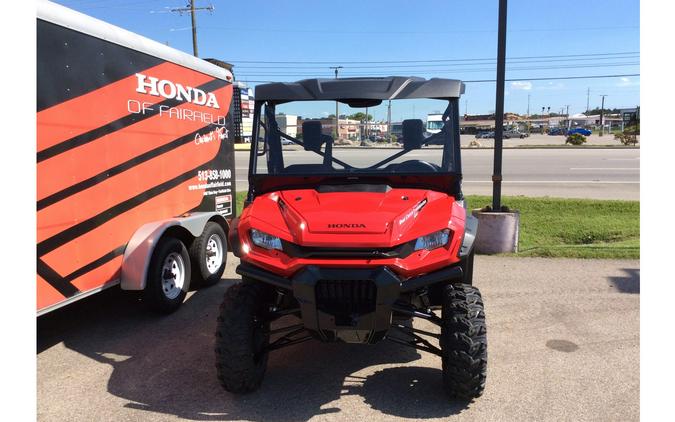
[(563, 345)]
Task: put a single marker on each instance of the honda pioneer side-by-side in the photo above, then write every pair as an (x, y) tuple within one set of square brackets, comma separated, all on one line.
[(354, 243)]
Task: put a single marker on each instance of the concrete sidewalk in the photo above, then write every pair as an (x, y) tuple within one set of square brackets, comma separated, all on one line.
[(563, 345)]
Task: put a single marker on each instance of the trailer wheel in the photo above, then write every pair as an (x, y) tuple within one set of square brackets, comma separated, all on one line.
[(463, 342), (209, 255), (169, 276)]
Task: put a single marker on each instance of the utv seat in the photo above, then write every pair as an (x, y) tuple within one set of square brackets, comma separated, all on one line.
[(313, 140), (413, 134), (413, 138)]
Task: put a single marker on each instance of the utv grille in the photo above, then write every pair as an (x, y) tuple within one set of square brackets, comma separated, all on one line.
[(346, 298)]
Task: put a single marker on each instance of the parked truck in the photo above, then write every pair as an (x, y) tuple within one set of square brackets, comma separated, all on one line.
[(135, 173)]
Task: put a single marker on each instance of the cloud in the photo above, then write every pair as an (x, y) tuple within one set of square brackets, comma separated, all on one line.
[(552, 86), (624, 81), (325, 113), (526, 86)]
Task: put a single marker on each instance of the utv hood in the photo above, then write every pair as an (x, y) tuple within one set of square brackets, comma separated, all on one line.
[(356, 216)]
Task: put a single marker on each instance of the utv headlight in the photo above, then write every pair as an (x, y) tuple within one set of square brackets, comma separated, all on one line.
[(433, 240), (265, 240)]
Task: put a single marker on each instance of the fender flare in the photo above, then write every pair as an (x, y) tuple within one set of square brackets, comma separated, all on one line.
[(140, 248), (470, 230)]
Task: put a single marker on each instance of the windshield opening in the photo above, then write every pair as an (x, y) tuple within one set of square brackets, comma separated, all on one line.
[(301, 138)]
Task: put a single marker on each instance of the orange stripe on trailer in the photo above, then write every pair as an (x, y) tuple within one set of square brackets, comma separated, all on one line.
[(117, 231), (106, 104), (46, 294), (92, 201), (99, 276), (85, 161)]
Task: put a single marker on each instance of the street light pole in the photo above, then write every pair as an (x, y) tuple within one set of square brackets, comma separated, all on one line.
[(499, 109)]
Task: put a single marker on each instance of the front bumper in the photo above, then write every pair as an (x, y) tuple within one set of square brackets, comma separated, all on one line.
[(353, 305)]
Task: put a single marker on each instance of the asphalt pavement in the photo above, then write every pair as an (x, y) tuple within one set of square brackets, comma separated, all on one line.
[(606, 173), (563, 339)]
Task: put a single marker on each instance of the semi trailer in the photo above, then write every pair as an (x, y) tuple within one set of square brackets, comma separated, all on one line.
[(135, 173)]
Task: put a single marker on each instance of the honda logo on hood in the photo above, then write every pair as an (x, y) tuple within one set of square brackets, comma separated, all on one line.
[(347, 226)]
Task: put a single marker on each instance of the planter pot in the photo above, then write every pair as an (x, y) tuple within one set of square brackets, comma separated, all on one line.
[(497, 232)]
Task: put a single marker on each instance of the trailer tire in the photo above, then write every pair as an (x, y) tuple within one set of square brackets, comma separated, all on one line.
[(169, 275), (463, 342), (206, 251), (241, 333)]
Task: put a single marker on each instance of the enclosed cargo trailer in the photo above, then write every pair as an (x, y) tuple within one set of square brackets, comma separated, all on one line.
[(135, 171)]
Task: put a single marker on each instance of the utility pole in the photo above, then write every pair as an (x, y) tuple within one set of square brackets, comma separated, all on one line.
[(389, 120), (588, 99), (528, 106), (336, 68), (602, 115), (192, 9), (567, 114), (366, 128)]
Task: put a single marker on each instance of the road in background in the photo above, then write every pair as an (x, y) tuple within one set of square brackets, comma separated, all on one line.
[(567, 173), (560, 346)]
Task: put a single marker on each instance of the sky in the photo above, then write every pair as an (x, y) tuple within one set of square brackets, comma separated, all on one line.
[(292, 40)]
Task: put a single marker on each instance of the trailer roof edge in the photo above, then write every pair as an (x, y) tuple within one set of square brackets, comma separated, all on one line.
[(61, 15)]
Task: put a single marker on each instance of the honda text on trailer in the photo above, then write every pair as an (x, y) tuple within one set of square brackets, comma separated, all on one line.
[(135, 175), (354, 245)]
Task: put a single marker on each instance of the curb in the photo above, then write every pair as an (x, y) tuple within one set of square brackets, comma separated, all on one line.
[(247, 147)]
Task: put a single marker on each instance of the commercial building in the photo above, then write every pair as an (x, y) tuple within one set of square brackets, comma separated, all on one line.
[(288, 124), (242, 99)]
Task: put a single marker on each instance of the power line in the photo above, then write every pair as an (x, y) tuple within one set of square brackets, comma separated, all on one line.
[(555, 78), (437, 71), (192, 9), (434, 60), (439, 65), (385, 32)]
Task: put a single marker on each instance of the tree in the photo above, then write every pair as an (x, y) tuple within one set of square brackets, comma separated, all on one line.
[(360, 116), (607, 111)]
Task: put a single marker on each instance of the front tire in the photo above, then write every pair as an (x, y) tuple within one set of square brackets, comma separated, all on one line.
[(463, 342), (169, 275), (242, 334)]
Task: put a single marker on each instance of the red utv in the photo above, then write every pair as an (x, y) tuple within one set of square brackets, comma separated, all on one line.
[(354, 243)]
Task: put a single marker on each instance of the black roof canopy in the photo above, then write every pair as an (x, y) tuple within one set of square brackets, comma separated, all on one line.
[(351, 90)]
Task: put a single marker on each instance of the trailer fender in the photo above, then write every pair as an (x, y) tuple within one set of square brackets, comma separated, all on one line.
[(139, 250)]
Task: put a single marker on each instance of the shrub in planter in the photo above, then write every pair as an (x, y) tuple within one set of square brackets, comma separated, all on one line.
[(626, 138), (576, 139)]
